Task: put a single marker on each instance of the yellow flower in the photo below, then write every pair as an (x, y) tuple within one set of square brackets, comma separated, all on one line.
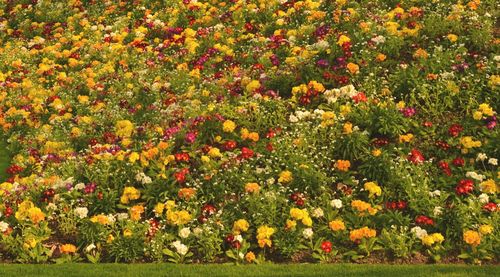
[(452, 37), (437, 237), (421, 53), (158, 209), (240, 225), (130, 193), (264, 234), (376, 152), (485, 229), (405, 138), (228, 126), (101, 219), (472, 238), (36, 215), (373, 189), (488, 186), (337, 225), (285, 177), (124, 128), (214, 152), (252, 86), (347, 128), (428, 240), (290, 224), (343, 39)]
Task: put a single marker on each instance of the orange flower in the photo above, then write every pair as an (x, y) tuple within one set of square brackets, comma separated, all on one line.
[(186, 193), (135, 212), (343, 165), (252, 188), (337, 225), (68, 248), (357, 234), (353, 68), (472, 238)]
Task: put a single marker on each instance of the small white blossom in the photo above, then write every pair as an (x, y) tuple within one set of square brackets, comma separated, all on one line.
[(81, 212), (336, 203), (184, 232), (307, 233)]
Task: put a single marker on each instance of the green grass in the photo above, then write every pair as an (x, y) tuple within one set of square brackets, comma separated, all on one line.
[(249, 270), (4, 159)]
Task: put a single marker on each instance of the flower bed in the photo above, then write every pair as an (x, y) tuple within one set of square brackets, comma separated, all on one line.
[(245, 131)]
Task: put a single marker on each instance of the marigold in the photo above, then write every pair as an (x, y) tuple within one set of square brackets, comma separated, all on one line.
[(373, 189), (228, 126), (250, 256), (472, 238), (337, 225), (485, 229), (252, 187), (285, 177), (343, 165), (68, 248), (240, 225), (357, 234)]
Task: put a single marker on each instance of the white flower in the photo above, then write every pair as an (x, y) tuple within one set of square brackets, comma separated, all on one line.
[(481, 157), (270, 181), (90, 248), (3, 226), (419, 232), (475, 176), (51, 207), (197, 231), (238, 238), (181, 248), (184, 232), (307, 233), (438, 211), (81, 212), (493, 161), (484, 198), (79, 186), (293, 119), (336, 203), (122, 216), (318, 212), (111, 219), (435, 193)]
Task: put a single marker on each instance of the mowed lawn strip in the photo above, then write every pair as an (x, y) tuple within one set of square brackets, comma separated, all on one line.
[(247, 270)]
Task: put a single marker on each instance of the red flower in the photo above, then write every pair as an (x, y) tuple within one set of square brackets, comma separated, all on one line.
[(458, 161), (326, 246), (360, 97), (455, 130), (424, 220), (490, 207), (416, 156), (246, 153), (465, 186), (445, 167), (180, 176), (230, 145)]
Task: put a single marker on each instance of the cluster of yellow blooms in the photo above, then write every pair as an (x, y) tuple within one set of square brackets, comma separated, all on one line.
[(124, 128), (27, 210), (373, 189), (429, 240), (362, 207), (252, 187), (130, 193), (483, 110), (264, 234), (239, 226), (285, 177), (301, 214)]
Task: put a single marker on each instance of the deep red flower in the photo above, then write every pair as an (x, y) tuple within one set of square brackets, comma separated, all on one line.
[(424, 220), (246, 153), (326, 246), (455, 130), (416, 157), (464, 187), (490, 207), (458, 161)]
